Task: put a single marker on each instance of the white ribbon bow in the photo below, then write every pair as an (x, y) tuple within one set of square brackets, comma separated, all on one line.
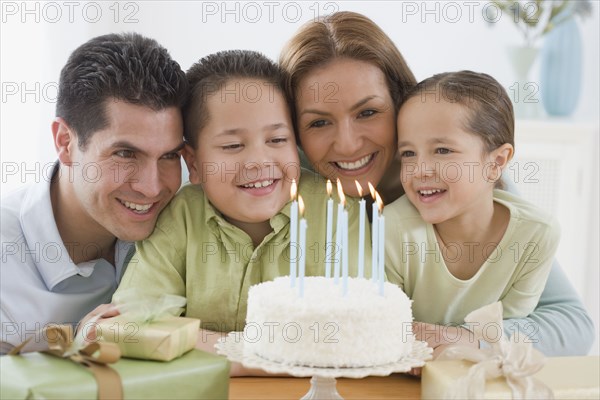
[(516, 360)]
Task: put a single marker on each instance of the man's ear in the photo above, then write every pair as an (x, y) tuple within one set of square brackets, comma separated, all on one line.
[(189, 155), (64, 140)]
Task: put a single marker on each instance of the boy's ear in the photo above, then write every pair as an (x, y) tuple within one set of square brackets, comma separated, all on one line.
[(189, 155), (503, 154), (64, 140)]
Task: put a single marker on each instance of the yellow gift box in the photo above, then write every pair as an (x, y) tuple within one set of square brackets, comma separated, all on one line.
[(161, 340), (567, 377)]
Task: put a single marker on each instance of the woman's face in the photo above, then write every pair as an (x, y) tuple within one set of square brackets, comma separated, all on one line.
[(347, 122)]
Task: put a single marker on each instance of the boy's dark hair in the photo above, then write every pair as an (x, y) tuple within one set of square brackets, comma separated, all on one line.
[(127, 67), (210, 75), (490, 113)]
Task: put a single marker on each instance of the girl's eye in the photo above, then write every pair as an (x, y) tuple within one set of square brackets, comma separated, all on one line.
[(318, 123), (366, 113), (233, 146), (407, 153), (443, 150), (125, 154)]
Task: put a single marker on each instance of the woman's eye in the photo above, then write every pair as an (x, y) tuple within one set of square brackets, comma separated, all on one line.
[(366, 113), (125, 154), (443, 150), (318, 124), (407, 153)]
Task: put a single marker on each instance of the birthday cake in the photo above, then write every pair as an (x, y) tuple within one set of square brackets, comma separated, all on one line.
[(325, 327)]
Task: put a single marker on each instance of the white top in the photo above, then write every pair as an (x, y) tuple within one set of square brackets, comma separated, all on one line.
[(39, 283)]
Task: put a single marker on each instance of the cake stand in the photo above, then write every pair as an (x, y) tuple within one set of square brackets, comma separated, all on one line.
[(323, 382)]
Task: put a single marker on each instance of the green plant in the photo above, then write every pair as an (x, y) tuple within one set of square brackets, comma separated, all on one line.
[(536, 18)]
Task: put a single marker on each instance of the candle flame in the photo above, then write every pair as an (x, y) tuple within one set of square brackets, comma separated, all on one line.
[(301, 205), (372, 190), (359, 188), (340, 190), (329, 188), (379, 202), (294, 190)]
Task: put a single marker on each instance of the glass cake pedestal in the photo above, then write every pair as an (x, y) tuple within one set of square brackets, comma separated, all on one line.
[(323, 380)]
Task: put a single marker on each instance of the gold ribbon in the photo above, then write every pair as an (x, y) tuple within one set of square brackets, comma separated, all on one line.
[(515, 360), (94, 356)]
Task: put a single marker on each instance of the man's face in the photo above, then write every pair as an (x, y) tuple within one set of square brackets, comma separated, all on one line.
[(128, 172)]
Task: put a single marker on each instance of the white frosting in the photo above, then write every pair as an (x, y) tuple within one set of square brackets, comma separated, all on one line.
[(326, 329)]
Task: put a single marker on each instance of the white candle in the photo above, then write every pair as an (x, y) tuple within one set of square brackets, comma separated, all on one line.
[(329, 231), (381, 250), (302, 248), (345, 253), (339, 234), (374, 235), (361, 232), (293, 233)]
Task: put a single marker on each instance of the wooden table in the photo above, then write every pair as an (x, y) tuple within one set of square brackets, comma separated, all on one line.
[(396, 386)]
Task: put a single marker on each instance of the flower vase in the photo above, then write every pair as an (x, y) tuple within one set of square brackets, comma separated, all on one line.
[(561, 69), (523, 91)]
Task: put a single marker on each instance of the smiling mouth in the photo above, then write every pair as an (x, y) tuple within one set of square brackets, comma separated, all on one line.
[(258, 184), (355, 165), (429, 192), (137, 207)]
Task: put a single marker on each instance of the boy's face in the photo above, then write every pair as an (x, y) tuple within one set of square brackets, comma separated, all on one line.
[(246, 156), (445, 170)]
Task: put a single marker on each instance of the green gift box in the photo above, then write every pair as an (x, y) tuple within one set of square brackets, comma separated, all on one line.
[(161, 340), (195, 375)]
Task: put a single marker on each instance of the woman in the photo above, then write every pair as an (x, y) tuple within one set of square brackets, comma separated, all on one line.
[(347, 79)]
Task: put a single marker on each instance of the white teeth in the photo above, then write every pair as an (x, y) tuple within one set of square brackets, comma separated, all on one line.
[(259, 184), (140, 208), (356, 164), (430, 192)]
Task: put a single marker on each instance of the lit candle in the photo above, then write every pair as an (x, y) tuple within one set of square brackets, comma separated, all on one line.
[(329, 231), (293, 233), (339, 234), (302, 246), (345, 251), (374, 234), (381, 238), (361, 232)]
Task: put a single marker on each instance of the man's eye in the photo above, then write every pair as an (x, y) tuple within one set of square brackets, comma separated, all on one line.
[(125, 154), (171, 156)]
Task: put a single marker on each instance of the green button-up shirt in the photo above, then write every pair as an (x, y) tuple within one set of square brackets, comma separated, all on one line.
[(194, 252)]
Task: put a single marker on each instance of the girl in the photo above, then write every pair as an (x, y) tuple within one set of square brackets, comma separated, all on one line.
[(464, 242)]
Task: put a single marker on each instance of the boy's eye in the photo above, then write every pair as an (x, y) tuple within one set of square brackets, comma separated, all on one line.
[(318, 123), (125, 154), (232, 146), (407, 153), (366, 113), (279, 140), (443, 150)]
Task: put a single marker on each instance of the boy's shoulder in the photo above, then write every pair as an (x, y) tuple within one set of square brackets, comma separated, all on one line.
[(522, 209), (189, 200)]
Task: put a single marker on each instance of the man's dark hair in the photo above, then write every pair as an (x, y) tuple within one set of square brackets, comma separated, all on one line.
[(210, 75), (127, 67)]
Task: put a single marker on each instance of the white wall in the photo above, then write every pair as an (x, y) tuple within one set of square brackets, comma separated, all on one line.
[(434, 36)]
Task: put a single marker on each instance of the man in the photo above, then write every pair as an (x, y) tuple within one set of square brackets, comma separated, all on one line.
[(118, 134)]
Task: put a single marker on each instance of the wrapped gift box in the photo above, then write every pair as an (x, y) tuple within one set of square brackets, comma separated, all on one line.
[(161, 340), (196, 375), (568, 377)]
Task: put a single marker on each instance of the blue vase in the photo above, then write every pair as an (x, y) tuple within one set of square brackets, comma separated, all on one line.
[(561, 69)]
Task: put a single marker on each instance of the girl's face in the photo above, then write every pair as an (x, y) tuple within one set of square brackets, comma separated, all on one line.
[(346, 122), (445, 170), (246, 156)]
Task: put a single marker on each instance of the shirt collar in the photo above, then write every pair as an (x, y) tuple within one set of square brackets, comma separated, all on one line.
[(44, 243)]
